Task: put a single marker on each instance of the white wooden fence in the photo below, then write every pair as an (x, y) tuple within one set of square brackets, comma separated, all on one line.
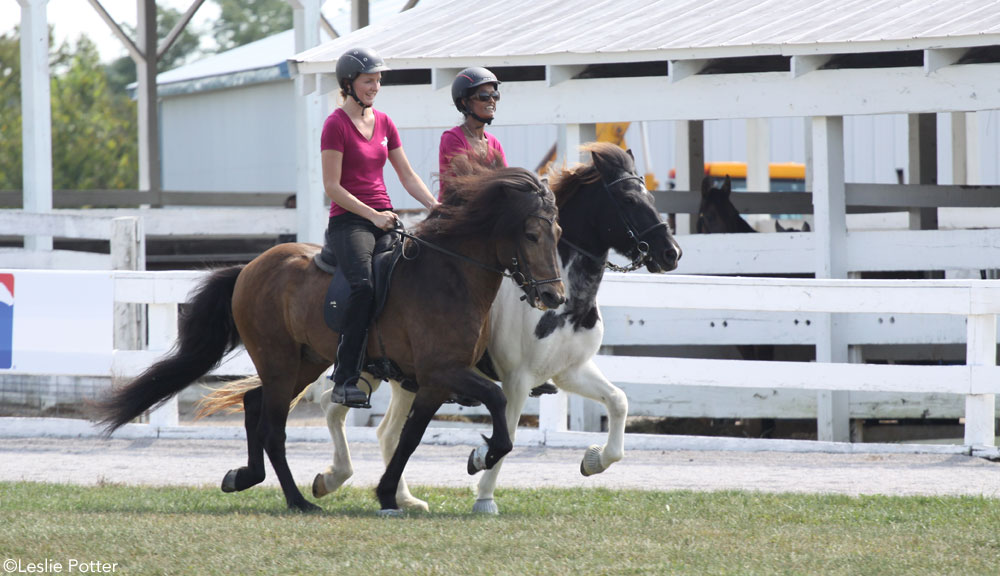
[(975, 301)]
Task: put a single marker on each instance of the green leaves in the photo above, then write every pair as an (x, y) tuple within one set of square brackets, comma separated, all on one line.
[(243, 21), (94, 128)]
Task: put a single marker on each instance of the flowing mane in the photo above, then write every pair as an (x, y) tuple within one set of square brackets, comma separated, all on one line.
[(568, 182), (478, 197)]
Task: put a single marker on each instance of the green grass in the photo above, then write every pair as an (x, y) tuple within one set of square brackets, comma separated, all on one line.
[(201, 531)]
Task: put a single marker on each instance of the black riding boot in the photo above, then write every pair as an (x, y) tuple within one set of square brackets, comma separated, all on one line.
[(351, 356), (347, 372)]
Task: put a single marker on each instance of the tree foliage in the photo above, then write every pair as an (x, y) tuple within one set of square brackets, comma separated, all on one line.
[(243, 21), (94, 129), (10, 112)]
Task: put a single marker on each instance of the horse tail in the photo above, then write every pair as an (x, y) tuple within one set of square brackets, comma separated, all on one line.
[(206, 332), (229, 398)]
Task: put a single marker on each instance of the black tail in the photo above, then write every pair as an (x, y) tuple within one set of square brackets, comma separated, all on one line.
[(206, 332)]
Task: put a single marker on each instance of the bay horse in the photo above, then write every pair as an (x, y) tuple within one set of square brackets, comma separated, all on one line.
[(603, 206), (432, 325)]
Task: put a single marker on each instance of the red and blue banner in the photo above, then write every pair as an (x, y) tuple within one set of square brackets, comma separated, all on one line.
[(6, 320)]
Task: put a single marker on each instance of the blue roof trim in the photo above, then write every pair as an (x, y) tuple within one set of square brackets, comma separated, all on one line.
[(225, 81)]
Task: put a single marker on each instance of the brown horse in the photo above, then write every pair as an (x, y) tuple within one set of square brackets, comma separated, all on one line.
[(432, 325)]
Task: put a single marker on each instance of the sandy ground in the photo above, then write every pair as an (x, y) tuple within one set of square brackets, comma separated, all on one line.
[(148, 461)]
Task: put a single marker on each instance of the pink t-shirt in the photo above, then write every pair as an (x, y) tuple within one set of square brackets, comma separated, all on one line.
[(454, 142), (361, 170)]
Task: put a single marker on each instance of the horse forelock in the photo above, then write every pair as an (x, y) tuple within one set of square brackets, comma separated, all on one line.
[(566, 183), (490, 201)]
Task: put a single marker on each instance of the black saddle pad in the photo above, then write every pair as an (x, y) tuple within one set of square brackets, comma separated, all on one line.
[(388, 250)]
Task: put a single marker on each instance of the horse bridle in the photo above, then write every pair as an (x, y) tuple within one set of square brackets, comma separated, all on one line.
[(522, 278), (640, 245)]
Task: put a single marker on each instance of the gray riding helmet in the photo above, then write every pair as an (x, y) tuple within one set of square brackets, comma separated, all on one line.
[(354, 62), (468, 79)]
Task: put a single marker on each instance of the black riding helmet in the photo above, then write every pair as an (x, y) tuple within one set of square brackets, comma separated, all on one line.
[(466, 81), (354, 62)]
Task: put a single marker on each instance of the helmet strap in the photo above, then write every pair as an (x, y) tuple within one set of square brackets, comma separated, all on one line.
[(350, 92), (477, 117)]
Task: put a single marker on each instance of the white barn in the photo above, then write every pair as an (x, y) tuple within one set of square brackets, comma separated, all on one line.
[(235, 109), (931, 66)]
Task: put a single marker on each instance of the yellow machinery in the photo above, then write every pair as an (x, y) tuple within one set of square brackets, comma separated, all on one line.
[(612, 132)]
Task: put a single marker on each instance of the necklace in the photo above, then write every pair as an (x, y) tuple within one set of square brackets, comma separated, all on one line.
[(477, 143)]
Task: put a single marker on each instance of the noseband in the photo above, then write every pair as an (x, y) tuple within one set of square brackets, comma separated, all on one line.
[(524, 280), (641, 246), (521, 277)]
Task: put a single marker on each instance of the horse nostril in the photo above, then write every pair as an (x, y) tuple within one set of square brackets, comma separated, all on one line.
[(553, 300)]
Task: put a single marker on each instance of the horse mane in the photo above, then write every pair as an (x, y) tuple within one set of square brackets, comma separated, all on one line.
[(476, 199), (568, 181)]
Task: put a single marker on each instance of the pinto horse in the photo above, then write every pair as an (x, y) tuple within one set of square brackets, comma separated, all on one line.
[(603, 206), (432, 325)]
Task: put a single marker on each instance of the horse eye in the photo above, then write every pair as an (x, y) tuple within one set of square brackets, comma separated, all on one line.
[(532, 237)]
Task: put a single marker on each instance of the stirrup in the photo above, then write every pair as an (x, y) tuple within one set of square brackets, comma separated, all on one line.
[(547, 388), (350, 395)]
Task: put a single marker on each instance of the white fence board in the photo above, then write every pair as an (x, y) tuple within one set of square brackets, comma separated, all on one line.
[(802, 375), (867, 251), (726, 388), (53, 259)]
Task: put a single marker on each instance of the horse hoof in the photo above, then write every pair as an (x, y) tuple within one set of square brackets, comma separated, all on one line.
[(477, 460), (319, 487), (412, 503), (591, 463), (486, 506), (229, 482), (390, 513), (306, 507)]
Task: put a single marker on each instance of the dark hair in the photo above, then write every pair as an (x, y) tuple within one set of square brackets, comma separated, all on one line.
[(482, 198), (565, 183)]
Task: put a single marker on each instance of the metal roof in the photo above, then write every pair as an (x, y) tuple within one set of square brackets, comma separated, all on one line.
[(454, 33)]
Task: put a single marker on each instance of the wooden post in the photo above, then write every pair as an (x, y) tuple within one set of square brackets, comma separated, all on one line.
[(128, 252), (36, 115), (149, 127), (964, 148), (980, 409), (359, 14), (689, 162), (758, 155), (311, 216), (830, 232), (922, 160)]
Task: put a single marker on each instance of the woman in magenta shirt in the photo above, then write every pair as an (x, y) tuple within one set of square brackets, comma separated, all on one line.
[(356, 142), (475, 92)]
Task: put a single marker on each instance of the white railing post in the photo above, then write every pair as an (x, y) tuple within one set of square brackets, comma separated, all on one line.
[(553, 412), (162, 335), (128, 252), (980, 409)]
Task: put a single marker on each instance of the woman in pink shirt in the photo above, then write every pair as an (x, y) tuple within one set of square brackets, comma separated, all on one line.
[(356, 142), (475, 92)]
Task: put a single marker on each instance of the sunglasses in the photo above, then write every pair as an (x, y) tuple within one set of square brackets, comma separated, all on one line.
[(487, 96)]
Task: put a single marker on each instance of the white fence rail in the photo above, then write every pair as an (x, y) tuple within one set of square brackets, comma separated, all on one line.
[(977, 302)]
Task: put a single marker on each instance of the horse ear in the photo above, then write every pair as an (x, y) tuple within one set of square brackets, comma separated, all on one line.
[(778, 227), (630, 155), (727, 186), (806, 227)]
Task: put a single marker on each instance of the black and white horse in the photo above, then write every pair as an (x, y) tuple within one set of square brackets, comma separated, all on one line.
[(603, 206)]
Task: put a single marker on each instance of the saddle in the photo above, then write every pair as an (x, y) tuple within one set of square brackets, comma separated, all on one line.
[(388, 250)]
